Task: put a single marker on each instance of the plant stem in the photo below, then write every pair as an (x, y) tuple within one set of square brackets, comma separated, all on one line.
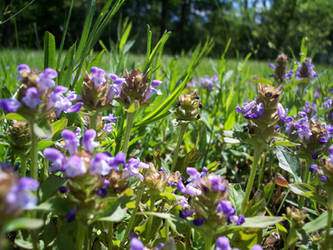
[(179, 142), (34, 153), (110, 234), (329, 218), (129, 124), (256, 158), (208, 242), (23, 167), (80, 236), (305, 180), (34, 238), (93, 120), (132, 219), (150, 218)]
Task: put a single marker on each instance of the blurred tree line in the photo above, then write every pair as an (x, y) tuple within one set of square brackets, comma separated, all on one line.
[(262, 27)]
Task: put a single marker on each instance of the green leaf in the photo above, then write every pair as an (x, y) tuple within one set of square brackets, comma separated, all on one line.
[(229, 123), (14, 116), (44, 144), (285, 143), (59, 125), (306, 190), (42, 129), (65, 75), (236, 195), (317, 224), (49, 50), (117, 212), (288, 162), (260, 221), (23, 223), (50, 186)]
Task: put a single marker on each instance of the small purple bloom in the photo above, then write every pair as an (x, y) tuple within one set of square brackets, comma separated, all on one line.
[(239, 220), (222, 243), (283, 114), (159, 246), (186, 213), (114, 162), (136, 244), (63, 189), (156, 83), (99, 164), (251, 110), (198, 222), (74, 167), (45, 79), (256, 247), (70, 140), (313, 168), (305, 70), (226, 207), (97, 76), (31, 98), (323, 178), (75, 108), (109, 118), (88, 140), (70, 216), (102, 192), (23, 67), (195, 176), (215, 182), (132, 168), (9, 105), (56, 157)]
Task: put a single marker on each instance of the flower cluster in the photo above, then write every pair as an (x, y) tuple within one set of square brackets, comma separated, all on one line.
[(305, 69), (280, 68), (188, 107), (16, 193), (208, 83), (210, 200), (222, 243), (39, 95)]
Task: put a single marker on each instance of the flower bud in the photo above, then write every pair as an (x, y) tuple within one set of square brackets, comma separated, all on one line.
[(188, 107), (297, 216), (280, 70)]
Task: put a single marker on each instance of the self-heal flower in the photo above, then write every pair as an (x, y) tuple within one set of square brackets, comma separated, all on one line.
[(222, 243), (70, 140), (305, 70), (71, 214), (23, 67), (74, 167), (251, 110), (88, 140), (283, 114), (256, 247), (313, 168), (19, 196), (31, 98), (97, 76), (238, 220), (133, 166), (45, 79), (119, 159), (99, 164), (136, 244), (9, 105), (226, 207), (56, 157)]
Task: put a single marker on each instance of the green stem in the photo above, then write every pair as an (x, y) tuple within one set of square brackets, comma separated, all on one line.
[(34, 237), (80, 236), (110, 234), (179, 142), (23, 167), (166, 230), (291, 237), (129, 124), (208, 242), (305, 178), (93, 120), (34, 153), (329, 219), (150, 218), (132, 219), (256, 158)]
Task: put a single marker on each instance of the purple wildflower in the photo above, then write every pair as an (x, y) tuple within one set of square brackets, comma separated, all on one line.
[(151, 89), (97, 76), (70, 216), (99, 164), (215, 182), (226, 207), (194, 175), (323, 178), (132, 168), (239, 220), (136, 244), (56, 157), (305, 70), (256, 247), (19, 196), (251, 110), (186, 213), (74, 167), (45, 79), (222, 243), (114, 162), (102, 192), (190, 189), (88, 140), (198, 222), (313, 168), (23, 67), (283, 114), (31, 98), (70, 140), (63, 189), (9, 105)]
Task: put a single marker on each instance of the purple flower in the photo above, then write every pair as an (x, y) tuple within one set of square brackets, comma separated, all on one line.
[(251, 110), (136, 244), (70, 216), (190, 189), (323, 178), (109, 118), (99, 164), (183, 202), (186, 213), (256, 247), (151, 89), (31, 98), (102, 192), (57, 158), (72, 96), (216, 184), (70, 140), (114, 162), (198, 222), (305, 70), (63, 189), (45, 79), (19, 196), (239, 220), (226, 207), (74, 167), (132, 168), (313, 168), (195, 176), (88, 140), (23, 67), (97, 76), (283, 114), (61, 102), (9, 105), (222, 243), (159, 246), (108, 127)]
